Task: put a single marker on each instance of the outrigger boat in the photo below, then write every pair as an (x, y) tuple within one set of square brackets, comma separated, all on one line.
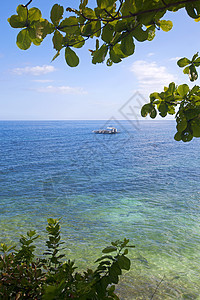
[(108, 130)]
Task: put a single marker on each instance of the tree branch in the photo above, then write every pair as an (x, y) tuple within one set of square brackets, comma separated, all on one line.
[(28, 3), (164, 2), (85, 39), (140, 12), (112, 17)]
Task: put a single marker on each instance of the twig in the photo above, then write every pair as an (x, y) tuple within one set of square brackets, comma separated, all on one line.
[(140, 12), (164, 2), (67, 26), (87, 38), (112, 17), (29, 2), (121, 2), (157, 287)]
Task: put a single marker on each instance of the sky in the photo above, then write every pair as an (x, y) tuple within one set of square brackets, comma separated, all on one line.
[(34, 88)]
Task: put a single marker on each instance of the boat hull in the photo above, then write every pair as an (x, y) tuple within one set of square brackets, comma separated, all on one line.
[(104, 132)]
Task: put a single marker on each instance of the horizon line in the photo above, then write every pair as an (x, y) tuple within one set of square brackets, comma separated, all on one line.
[(28, 120)]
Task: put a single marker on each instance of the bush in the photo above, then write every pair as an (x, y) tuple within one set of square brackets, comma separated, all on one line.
[(23, 276)]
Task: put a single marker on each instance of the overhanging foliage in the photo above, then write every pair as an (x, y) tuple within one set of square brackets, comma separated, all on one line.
[(115, 25)]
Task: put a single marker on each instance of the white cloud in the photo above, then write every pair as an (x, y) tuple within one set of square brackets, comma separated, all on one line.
[(42, 80), (36, 71), (150, 76), (62, 90), (175, 58), (150, 54)]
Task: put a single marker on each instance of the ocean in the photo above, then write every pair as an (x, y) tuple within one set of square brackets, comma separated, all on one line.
[(139, 184)]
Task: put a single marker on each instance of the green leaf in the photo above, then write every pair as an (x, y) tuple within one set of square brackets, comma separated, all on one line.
[(195, 56), (71, 57), (102, 286), (139, 4), (83, 4), (104, 3), (96, 28), (146, 109), (195, 89), (166, 25), (36, 41), (183, 62), (183, 89), (172, 87), (22, 12), (125, 252), (195, 126), (121, 25), (57, 40), (34, 14), (31, 233), (191, 113), (100, 54), (109, 62), (193, 75), (163, 114), (114, 56), (117, 49), (186, 136), (124, 262), (43, 28), (109, 249), (114, 278), (154, 96), (87, 29), (79, 42), (151, 33), (140, 34), (23, 39), (111, 291), (89, 13), (128, 7), (197, 7), (190, 8), (16, 22), (32, 33), (181, 124), (69, 25), (153, 114), (127, 45), (115, 268), (107, 33), (104, 257), (171, 110), (147, 19), (50, 292), (186, 70), (177, 136), (56, 14)]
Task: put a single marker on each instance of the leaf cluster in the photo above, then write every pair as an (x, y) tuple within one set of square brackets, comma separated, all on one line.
[(190, 66), (33, 27), (22, 276), (181, 101), (116, 26)]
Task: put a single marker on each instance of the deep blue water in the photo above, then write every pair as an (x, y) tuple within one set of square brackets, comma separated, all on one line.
[(139, 184)]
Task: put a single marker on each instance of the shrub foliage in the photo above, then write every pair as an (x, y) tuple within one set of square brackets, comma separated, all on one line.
[(49, 277)]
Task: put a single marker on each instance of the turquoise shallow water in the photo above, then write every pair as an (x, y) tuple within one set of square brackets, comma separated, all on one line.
[(139, 184)]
